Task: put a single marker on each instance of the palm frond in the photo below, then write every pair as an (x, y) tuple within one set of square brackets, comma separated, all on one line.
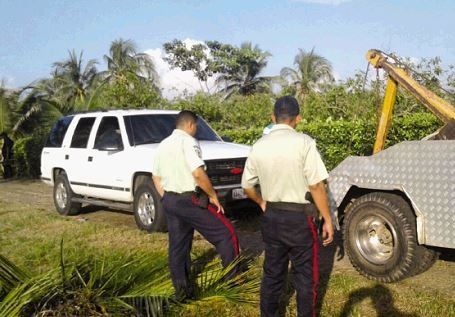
[(217, 284), (10, 275)]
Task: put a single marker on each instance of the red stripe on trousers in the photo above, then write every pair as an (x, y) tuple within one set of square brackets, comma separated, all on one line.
[(315, 262), (225, 222), (228, 225)]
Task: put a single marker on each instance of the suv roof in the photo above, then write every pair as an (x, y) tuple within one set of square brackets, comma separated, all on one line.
[(127, 112)]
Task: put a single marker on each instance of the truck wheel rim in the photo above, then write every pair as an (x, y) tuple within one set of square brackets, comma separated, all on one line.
[(376, 239), (146, 209), (61, 195)]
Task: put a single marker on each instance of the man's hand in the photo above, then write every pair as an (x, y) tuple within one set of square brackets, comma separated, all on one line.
[(214, 201), (320, 199), (327, 233), (158, 186), (263, 205), (254, 196)]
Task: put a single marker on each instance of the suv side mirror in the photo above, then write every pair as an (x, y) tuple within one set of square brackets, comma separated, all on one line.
[(226, 138)]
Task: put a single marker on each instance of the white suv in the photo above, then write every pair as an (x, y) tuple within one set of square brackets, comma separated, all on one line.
[(106, 158)]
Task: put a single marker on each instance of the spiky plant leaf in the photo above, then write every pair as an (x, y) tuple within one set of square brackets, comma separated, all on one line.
[(216, 284), (10, 275)]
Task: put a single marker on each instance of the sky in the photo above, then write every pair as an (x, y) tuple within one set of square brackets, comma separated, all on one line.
[(35, 34)]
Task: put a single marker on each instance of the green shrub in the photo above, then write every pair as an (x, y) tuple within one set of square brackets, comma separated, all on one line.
[(339, 139), (27, 155), (236, 112), (207, 106)]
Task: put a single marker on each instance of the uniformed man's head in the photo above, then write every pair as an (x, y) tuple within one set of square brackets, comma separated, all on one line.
[(187, 121), (287, 111)]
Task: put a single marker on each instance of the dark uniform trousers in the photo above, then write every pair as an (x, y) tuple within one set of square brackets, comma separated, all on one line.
[(183, 217), (289, 235)]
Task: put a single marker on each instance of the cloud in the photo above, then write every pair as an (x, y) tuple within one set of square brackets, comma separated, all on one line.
[(323, 2), (175, 82), (7, 82)]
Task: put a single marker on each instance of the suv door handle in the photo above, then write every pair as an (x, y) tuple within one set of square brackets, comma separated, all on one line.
[(67, 157), (90, 158)]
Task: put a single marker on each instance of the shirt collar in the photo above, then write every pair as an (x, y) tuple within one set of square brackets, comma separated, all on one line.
[(180, 132), (281, 126)]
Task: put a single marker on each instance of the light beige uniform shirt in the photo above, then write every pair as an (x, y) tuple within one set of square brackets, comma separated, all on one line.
[(284, 163), (177, 157)]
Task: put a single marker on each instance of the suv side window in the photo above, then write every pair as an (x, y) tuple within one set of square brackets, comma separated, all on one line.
[(58, 132), (108, 135), (82, 133)]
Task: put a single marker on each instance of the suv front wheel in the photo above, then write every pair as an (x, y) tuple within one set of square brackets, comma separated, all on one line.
[(148, 209), (63, 196)]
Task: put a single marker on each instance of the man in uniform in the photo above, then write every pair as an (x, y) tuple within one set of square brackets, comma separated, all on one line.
[(287, 165), (177, 170)]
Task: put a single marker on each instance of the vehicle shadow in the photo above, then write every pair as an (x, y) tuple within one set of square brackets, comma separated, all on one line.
[(89, 209), (247, 224), (381, 298), (446, 254)]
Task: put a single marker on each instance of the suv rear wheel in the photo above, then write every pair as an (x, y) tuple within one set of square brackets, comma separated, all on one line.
[(148, 209), (63, 196)]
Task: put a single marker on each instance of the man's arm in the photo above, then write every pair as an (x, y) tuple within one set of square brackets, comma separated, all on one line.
[(253, 194), (158, 186), (203, 181), (320, 199)]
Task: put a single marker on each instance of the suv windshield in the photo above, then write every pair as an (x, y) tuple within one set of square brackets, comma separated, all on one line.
[(153, 128)]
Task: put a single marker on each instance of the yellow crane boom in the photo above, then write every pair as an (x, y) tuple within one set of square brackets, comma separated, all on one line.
[(398, 76)]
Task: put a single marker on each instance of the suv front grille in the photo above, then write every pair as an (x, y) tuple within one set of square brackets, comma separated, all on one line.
[(225, 171)]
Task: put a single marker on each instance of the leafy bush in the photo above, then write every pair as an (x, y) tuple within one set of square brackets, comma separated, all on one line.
[(339, 139), (27, 155), (237, 112), (208, 107), (126, 93)]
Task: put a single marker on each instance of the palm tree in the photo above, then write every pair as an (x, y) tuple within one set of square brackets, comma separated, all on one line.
[(310, 71), (123, 61), (38, 106), (73, 81), (8, 102), (244, 79)]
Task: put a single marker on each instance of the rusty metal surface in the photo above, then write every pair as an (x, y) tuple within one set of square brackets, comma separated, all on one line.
[(423, 170)]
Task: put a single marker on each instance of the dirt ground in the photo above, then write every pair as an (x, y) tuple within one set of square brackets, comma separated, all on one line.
[(440, 277)]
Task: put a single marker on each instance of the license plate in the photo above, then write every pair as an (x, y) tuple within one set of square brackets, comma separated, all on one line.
[(238, 193)]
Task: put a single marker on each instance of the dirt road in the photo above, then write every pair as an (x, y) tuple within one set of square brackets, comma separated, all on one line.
[(440, 277)]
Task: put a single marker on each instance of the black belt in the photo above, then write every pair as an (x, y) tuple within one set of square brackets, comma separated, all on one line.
[(307, 209), (184, 194)]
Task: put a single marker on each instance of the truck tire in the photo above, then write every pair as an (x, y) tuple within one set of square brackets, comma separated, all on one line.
[(148, 209), (380, 237), (63, 196)]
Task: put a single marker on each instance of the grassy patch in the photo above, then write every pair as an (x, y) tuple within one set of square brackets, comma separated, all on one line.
[(31, 236)]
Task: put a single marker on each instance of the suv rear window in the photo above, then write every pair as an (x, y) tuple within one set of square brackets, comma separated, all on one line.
[(58, 132), (82, 133), (153, 128)]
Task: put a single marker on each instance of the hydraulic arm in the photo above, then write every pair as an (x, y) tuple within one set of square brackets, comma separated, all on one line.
[(398, 76)]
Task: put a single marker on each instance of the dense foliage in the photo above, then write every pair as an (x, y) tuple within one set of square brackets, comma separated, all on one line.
[(27, 155), (340, 115), (339, 139)]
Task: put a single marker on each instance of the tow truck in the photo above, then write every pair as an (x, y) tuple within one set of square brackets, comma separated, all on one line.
[(398, 204)]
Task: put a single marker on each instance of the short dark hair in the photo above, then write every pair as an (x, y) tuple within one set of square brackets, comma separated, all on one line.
[(185, 116), (286, 108)]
